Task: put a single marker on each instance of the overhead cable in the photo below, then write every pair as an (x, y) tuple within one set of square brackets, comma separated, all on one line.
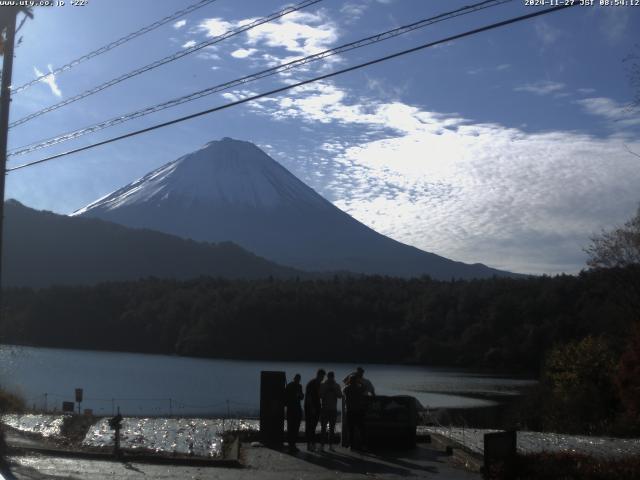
[(298, 84), (253, 77), (114, 44), (170, 58)]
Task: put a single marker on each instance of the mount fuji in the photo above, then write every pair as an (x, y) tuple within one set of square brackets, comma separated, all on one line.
[(230, 190)]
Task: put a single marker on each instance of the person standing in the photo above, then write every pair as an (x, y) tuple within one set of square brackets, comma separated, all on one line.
[(329, 394), (292, 397), (355, 402), (312, 407), (366, 384)]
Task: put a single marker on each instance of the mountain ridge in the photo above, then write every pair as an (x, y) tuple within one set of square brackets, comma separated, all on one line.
[(230, 190), (42, 248)]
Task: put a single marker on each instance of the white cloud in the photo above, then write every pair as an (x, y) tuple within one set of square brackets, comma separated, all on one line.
[(485, 193), (386, 90), (240, 94), (298, 32), (614, 24), (49, 79), (189, 44), (586, 91), (232, 97), (215, 27), (546, 33), (243, 52), (470, 191), (352, 11), (611, 110), (544, 87), (206, 55), (319, 102), (179, 24), (498, 68)]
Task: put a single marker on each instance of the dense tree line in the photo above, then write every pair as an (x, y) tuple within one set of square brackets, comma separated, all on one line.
[(498, 323)]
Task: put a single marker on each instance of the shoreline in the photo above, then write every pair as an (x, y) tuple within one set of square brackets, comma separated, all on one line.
[(470, 370)]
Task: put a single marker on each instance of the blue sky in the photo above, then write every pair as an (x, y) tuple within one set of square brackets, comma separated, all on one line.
[(508, 148)]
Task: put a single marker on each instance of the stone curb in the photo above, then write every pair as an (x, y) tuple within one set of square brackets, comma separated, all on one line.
[(129, 457)]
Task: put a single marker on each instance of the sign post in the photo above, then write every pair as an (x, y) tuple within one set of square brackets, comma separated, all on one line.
[(79, 398)]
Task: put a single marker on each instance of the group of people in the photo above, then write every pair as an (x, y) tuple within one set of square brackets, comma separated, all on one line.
[(321, 405)]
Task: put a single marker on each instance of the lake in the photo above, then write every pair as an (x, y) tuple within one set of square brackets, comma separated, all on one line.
[(150, 385)]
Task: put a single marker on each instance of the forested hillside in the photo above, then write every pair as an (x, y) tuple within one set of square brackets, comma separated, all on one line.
[(42, 249)]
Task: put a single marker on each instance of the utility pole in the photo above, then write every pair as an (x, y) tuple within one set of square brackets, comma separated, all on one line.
[(5, 102)]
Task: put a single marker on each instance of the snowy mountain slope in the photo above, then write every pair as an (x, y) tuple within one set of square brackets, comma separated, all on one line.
[(224, 173), (230, 190)]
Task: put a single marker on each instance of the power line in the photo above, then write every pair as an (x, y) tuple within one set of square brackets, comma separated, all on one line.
[(165, 60), (298, 84), (256, 76), (115, 43)]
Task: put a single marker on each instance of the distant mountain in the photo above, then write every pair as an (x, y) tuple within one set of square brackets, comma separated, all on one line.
[(230, 190), (43, 249)]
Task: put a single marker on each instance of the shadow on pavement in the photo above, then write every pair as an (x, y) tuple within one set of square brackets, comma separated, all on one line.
[(349, 463), (425, 455)]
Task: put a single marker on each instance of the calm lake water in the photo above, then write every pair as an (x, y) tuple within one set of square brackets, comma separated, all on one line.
[(147, 385)]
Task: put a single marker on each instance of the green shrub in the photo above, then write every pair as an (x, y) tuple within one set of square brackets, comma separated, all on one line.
[(10, 402), (579, 378), (628, 378)]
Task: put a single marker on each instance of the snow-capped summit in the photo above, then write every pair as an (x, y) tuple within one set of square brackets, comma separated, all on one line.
[(230, 190), (224, 172)]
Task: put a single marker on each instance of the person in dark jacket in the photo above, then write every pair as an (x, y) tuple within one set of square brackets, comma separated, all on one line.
[(359, 375), (355, 403), (292, 397), (312, 409), (329, 394)]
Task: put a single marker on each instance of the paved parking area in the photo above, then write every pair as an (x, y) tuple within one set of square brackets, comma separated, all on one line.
[(259, 463)]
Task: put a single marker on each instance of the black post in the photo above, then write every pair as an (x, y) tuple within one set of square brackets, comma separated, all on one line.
[(272, 385), (500, 453), (79, 394), (5, 99), (116, 450), (116, 424), (344, 437)]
